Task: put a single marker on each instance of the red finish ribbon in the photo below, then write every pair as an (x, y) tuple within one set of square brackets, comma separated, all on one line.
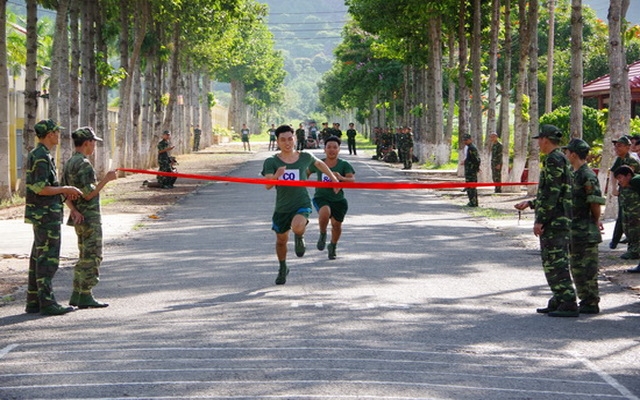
[(331, 185)]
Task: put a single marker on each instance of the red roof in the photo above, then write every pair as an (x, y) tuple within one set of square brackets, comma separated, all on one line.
[(601, 86)]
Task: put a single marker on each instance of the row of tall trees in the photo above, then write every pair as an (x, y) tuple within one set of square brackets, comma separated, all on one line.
[(158, 58), (480, 67)]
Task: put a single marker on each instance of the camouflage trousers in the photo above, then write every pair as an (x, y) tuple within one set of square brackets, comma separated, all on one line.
[(554, 249), (584, 269), (496, 177), (405, 157), (165, 166), (631, 228), (86, 273), (43, 264), (472, 192)]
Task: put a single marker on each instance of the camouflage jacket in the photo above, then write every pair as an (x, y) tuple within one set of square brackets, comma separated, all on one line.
[(553, 201), (586, 191), (496, 154), (41, 172), (163, 157), (629, 161), (630, 202), (472, 160), (79, 172)]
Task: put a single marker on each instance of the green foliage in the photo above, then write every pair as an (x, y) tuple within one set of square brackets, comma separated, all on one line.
[(635, 126), (107, 75), (593, 129), (211, 99)]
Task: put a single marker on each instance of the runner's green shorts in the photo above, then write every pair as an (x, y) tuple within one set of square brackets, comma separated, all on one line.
[(338, 208), (281, 222)]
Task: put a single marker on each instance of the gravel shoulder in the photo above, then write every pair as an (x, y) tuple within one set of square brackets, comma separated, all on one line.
[(128, 195)]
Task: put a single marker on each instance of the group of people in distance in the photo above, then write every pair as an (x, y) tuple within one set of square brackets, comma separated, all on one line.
[(293, 204)]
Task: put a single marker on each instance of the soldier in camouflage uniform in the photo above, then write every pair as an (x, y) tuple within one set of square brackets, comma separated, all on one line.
[(471, 168), (44, 210), (79, 172), (165, 161), (622, 147), (496, 160), (630, 206), (405, 147), (585, 227), (553, 223)]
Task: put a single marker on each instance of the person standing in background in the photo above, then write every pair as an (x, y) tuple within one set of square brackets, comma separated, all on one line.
[(496, 161), (351, 139), (244, 135)]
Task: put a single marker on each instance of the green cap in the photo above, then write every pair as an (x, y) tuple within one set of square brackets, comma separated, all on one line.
[(623, 140), (45, 126), (86, 132), (549, 131), (578, 146)]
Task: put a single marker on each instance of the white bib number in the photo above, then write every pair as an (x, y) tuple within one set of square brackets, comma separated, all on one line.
[(291, 175)]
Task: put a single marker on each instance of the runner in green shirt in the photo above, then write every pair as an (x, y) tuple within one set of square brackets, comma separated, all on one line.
[(293, 204), (332, 206)]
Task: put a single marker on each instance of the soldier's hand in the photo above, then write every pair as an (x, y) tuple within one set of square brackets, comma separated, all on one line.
[(76, 217), (538, 229), (71, 192), (111, 176), (523, 205)]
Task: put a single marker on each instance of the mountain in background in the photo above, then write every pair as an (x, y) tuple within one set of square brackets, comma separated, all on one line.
[(601, 8), (307, 32)]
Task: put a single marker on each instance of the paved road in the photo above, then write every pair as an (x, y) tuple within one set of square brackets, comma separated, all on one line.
[(423, 302)]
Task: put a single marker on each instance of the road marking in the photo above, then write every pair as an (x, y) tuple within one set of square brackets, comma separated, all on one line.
[(7, 349), (606, 377)]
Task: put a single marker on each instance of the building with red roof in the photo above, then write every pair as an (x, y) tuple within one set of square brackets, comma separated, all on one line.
[(599, 88)]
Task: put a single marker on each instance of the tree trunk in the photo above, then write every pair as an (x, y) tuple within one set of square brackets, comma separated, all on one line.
[(548, 104), (74, 69), (5, 174), (492, 93), (435, 106), (103, 151), (237, 111), (451, 99), (59, 99), (30, 85), (618, 123), (476, 67), (575, 92), (207, 129), (463, 88), (520, 135), (505, 98), (534, 113)]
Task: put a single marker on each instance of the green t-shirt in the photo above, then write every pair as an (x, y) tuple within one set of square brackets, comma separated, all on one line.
[(343, 168), (290, 198), (79, 172)]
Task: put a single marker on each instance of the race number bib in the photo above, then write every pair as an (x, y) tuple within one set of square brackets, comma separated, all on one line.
[(291, 175), (325, 178)]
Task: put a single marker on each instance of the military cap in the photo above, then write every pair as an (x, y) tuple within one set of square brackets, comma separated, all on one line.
[(166, 133), (86, 132), (466, 136), (549, 131), (577, 146), (623, 140), (45, 126)]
